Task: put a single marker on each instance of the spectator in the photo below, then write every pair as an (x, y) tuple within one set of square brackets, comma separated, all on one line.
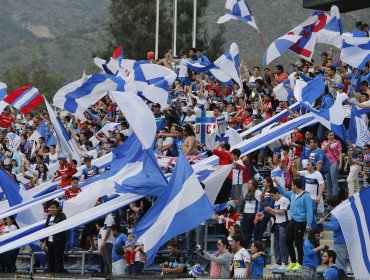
[(176, 262), (280, 211), (234, 230), (190, 144), (333, 272), (280, 76), (74, 190), (55, 244), (240, 176), (89, 170), (333, 150), (258, 258), (241, 260), (9, 258), (365, 162), (106, 244), (135, 253), (220, 260), (118, 265), (66, 171), (230, 217), (354, 169), (302, 216)]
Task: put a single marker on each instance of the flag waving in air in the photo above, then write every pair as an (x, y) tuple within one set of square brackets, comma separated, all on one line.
[(356, 49), (239, 10), (182, 206), (118, 54), (24, 99)]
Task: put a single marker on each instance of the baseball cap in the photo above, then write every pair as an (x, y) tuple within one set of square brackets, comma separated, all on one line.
[(324, 54), (341, 86), (157, 105), (62, 157)]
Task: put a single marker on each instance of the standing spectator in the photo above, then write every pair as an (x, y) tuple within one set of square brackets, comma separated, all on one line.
[(230, 217), (222, 150), (89, 170), (354, 169), (137, 258), (6, 120), (340, 246), (314, 184), (220, 260), (55, 243), (365, 162), (10, 257), (311, 259), (318, 156), (280, 211), (240, 176), (66, 171), (99, 224), (258, 260), (255, 76), (106, 245), (176, 262), (249, 206), (302, 216), (118, 264), (279, 74), (242, 260), (333, 150)]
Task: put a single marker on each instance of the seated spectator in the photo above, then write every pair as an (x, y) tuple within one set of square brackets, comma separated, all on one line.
[(176, 262)]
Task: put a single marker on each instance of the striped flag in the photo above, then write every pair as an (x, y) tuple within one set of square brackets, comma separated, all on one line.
[(3, 89), (24, 99), (331, 34), (205, 128), (356, 49), (118, 54), (354, 219), (239, 10)]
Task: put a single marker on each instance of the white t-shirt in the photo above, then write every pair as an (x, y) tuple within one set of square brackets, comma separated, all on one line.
[(252, 205), (108, 222), (238, 174), (282, 203), (312, 182), (53, 158), (252, 81), (240, 258), (51, 222), (92, 153), (190, 119), (183, 68), (10, 228)]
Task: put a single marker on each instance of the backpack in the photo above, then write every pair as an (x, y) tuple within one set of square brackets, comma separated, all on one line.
[(342, 275)]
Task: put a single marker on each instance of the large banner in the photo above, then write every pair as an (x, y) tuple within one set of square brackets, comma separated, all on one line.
[(205, 127)]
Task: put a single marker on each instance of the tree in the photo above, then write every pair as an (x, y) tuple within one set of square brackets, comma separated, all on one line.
[(132, 25)]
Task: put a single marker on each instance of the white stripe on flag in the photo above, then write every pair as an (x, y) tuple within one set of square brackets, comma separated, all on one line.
[(25, 98)]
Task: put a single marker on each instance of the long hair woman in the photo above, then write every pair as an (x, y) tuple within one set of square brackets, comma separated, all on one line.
[(10, 257), (311, 257)]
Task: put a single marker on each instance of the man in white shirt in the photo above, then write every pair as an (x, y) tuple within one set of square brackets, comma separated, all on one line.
[(314, 185), (254, 77), (106, 246), (241, 260)]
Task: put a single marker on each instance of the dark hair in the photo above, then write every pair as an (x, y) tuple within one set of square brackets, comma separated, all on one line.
[(74, 161), (237, 229), (74, 178), (327, 133), (269, 181), (44, 173), (274, 190), (311, 237), (100, 222), (259, 81), (279, 67), (116, 227), (364, 83), (332, 68), (297, 182), (54, 202), (315, 139), (332, 254), (188, 130), (260, 248), (237, 238), (88, 143), (225, 241), (173, 243), (250, 194), (332, 200), (236, 152), (227, 146), (14, 221)]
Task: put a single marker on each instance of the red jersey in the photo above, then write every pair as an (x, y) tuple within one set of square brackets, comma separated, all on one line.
[(225, 159), (230, 220), (69, 170), (6, 121), (71, 193), (298, 150)]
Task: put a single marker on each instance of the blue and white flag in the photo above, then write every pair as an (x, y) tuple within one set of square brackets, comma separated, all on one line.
[(182, 206), (205, 128), (239, 10), (279, 47), (42, 131), (309, 91), (67, 145), (358, 131), (3, 88), (354, 219), (283, 92), (356, 49), (76, 97), (138, 115), (332, 118), (331, 34)]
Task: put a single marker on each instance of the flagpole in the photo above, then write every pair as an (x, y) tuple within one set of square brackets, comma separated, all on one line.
[(174, 27), (194, 22), (156, 30), (262, 41)]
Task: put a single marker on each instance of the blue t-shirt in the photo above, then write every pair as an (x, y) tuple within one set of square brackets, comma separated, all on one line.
[(310, 258), (178, 143), (257, 267), (331, 273), (119, 243)]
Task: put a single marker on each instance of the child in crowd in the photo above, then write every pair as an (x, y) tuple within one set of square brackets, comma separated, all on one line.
[(129, 248)]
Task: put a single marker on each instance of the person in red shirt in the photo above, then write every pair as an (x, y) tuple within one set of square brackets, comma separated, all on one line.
[(222, 150), (66, 171), (231, 215), (280, 75), (74, 190), (6, 119)]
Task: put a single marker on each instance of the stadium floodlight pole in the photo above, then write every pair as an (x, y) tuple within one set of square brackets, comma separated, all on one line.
[(194, 22), (174, 27), (156, 30)]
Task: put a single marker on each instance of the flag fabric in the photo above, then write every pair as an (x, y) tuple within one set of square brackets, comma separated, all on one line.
[(331, 34), (42, 131), (14, 140), (76, 97), (205, 128), (356, 49), (138, 115), (239, 10), (358, 131), (67, 145), (24, 99), (309, 91), (182, 206), (3, 88), (230, 136), (165, 162), (354, 218), (332, 118), (282, 92), (301, 40), (118, 54)]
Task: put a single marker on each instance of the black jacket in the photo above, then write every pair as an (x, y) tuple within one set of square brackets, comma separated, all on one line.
[(61, 236)]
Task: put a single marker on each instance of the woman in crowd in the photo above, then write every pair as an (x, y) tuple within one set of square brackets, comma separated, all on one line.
[(333, 150), (220, 260), (311, 256), (10, 257), (234, 230), (230, 217), (258, 257), (249, 206)]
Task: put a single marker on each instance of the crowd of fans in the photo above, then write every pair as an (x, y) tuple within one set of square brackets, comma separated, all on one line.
[(287, 189)]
